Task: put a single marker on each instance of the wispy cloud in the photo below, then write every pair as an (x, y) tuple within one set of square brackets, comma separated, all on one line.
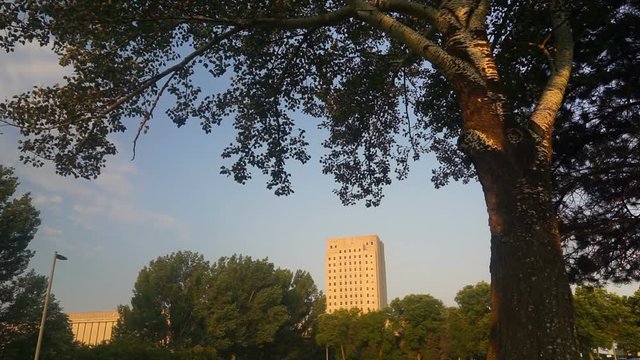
[(88, 203), (55, 236), (117, 179), (127, 213), (43, 200), (50, 232), (27, 66)]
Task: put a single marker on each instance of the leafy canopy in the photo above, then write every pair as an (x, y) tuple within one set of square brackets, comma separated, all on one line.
[(236, 306)]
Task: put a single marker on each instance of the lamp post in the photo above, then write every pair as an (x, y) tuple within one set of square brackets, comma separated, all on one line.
[(56, 256)]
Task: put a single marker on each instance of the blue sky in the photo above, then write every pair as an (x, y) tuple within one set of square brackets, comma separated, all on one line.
[(171, 197)]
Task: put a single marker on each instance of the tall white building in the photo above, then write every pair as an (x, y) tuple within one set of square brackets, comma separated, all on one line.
[(355, 273)]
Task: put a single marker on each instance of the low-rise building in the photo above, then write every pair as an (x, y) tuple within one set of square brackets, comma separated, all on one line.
[(93, 328)]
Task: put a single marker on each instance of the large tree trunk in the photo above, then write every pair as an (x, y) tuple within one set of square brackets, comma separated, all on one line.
[(532, 311)]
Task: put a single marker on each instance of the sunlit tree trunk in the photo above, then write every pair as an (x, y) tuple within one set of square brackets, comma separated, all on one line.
[(532, 312), (531, 301)]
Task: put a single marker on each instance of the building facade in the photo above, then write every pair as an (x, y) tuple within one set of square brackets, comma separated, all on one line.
[(93, 328), (355, 274)]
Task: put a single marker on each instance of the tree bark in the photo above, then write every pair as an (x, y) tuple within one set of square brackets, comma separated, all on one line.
[(532, 311)]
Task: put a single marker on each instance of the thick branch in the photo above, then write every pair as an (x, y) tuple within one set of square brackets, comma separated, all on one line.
[(478, 18), (408, 8), (452, 67), (544, 115)]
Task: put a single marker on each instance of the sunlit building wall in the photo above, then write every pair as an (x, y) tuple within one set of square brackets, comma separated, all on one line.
[(93, 328), (355, 273)]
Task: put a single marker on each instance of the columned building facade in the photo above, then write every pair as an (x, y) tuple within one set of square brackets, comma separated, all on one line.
[(93, 328), (355, 273)]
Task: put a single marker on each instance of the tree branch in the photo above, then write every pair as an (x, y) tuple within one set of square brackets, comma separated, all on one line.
[(451, 66), (142, 87), (478, 18), (291, 58), (407, 8), (152, 80), (544, 115), (149, 114)]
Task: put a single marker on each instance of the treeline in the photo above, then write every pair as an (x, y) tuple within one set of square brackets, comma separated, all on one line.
[(184, 307), (414, 327), (239, 308)]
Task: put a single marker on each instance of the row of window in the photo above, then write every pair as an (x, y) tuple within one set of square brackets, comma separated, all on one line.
[(351, 282), (351, 303), (349, 257), (349, 250), (340, 282), (345, 263), (350, 296), (351, 276), (351, 289), (366, 268)]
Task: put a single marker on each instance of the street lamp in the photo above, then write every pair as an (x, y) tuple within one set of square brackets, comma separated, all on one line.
[(56, 256)]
